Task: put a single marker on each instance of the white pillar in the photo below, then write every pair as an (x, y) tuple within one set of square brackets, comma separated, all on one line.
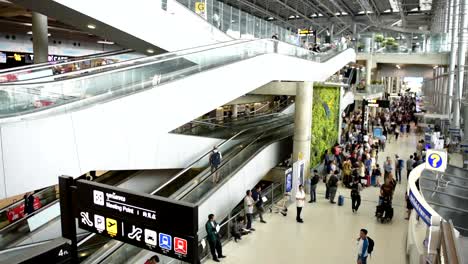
[(462, 35), (368, 71), (303, 124), (234, 111), (40, 38), (453, 54), (465, 131)]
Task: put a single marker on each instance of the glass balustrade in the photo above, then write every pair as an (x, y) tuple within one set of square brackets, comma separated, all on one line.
[(17, 99)]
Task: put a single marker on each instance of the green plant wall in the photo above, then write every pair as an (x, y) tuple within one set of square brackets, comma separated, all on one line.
[(324, 127)]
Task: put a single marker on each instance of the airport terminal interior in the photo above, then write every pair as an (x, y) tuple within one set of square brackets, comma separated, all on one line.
[(234, 131)]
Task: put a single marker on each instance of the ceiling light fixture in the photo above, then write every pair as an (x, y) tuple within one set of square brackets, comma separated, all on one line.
[(91, 26), (150, 51), (105, 42), (398, 66)]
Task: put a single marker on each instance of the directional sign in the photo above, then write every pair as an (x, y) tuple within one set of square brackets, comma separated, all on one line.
[(139, 219), (436, 160)]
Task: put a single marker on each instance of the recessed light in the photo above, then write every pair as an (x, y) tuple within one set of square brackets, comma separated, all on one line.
[(150, 50), (91, 26), (105, 42), (29, 32)]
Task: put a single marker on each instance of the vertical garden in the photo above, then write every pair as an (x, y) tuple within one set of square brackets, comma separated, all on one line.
[(325, 117)]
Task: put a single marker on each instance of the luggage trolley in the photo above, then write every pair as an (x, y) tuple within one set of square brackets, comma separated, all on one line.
[(280, 206)]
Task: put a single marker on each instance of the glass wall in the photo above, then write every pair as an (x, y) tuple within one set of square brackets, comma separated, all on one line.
[(236, 23), (402, 43)]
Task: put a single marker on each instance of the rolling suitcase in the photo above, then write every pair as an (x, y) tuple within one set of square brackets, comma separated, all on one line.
[(368, 179), (340, 200)]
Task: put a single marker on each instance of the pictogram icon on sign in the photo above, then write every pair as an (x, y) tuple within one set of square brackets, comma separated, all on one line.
[(111, 226), (98, 197), (99, 223), (136, 233), (85, 219), (435, 160), (151, 237), (165, 241), (180, 246)]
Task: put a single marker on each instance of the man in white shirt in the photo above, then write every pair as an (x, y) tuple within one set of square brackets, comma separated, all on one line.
[(248, 209), (362, 248), (300, 200)]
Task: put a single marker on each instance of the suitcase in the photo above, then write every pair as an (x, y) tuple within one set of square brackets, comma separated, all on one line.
[(368, 179), (340, 200)]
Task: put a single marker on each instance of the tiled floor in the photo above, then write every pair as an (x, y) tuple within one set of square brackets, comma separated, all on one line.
[(329, 232)]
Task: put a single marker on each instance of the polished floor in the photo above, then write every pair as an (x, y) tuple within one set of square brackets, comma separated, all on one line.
[(329, 232)]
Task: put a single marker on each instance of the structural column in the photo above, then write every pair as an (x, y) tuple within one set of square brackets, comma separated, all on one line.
[(462, 35), (234, 111), (40, 38), (453, 57), (303, 124), (368, 70), (444, 91), (465, 132)]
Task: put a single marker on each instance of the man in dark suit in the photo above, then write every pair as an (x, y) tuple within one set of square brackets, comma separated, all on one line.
[(212, 229)]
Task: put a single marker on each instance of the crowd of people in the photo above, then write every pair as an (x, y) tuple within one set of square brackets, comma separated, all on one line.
[(353, 163)]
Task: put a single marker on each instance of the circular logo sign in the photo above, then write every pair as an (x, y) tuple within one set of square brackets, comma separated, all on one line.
[(435, 160)]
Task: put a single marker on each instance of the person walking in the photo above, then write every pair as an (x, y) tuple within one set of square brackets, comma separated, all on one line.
[(215, 161), (257, 197), (300, 200), (212, 229), (377, 174), (356, 189), (333, 186), (28, 203), (313, 187), (383, 141), (388, 168), (362, 248), (399, 164), (248, 209), (397, 133), (409, 166)]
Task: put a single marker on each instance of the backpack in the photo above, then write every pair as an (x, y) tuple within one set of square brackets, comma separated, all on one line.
[(370, 247), (332, 182), (314, 180), (215, 158)]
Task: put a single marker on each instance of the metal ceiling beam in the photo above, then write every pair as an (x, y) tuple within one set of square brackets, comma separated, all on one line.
[(267, 12), (304, 16), (350, 11), (402, 12)]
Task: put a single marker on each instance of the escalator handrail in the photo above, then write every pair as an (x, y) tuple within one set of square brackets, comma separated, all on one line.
[(62, 62), (190, 51), (89, 100), (20, 201), (197, 160), (190, 188), (200, 201), (134, 63)]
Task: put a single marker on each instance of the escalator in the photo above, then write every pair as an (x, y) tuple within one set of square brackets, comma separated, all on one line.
[(17, 232), (250, 143), (51, 70), (83, 109)]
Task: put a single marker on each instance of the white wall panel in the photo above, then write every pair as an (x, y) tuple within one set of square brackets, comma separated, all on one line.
[(233, 191), (131, 132), (175, 29), (36, 152)]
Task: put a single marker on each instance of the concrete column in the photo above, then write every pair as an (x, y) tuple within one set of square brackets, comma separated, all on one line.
[(453, 57), (303, 124), (465, 131), (40, 38), (332, 29), (368, 71), (234, 111), (436, 87), (462, 35), (444, 92)]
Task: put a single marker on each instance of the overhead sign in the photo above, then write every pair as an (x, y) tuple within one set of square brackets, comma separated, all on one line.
[(155, 223), (288, 178), (377, 103), (305, 32), (436, 160)]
